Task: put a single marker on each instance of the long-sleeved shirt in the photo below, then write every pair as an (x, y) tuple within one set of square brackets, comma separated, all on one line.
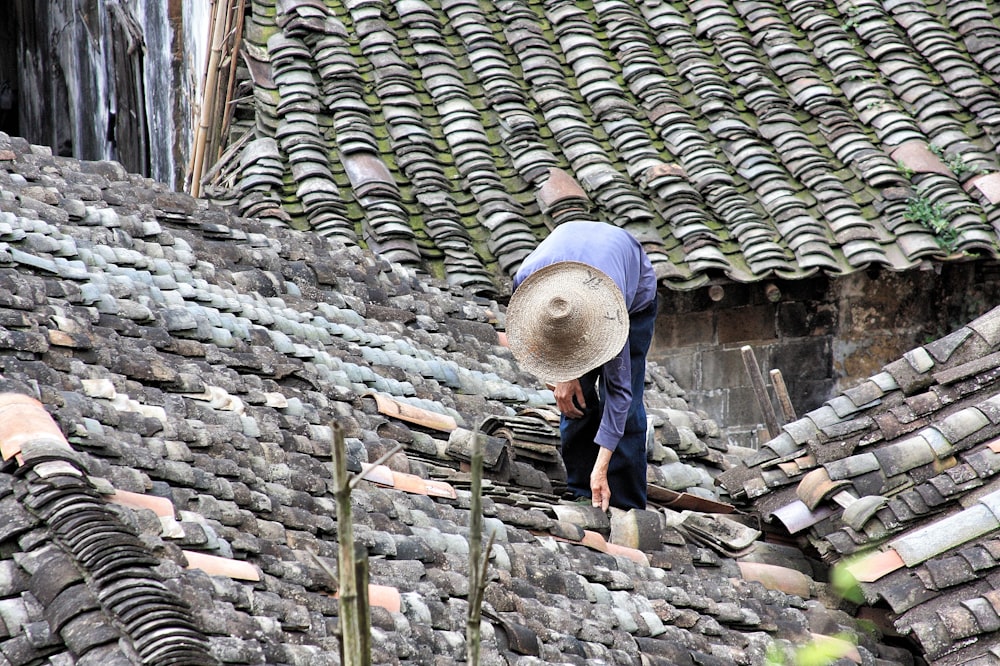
[(618, 254)]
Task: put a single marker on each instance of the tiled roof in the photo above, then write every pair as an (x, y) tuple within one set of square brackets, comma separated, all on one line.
[(743, 140), (896, 479), (170, 377)]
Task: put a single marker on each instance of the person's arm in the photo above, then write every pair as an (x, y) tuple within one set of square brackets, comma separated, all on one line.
[(600, 492), (617, 378)]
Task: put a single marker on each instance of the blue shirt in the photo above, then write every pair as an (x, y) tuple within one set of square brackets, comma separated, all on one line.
[(618, 254)]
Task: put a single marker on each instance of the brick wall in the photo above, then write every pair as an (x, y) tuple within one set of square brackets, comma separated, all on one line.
[(823, 334)]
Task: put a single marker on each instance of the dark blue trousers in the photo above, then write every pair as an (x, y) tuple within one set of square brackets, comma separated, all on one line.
[(627, 470)]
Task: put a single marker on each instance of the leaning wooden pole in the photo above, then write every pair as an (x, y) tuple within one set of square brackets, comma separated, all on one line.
[(759, 390), (352, 638), (208, 94), (234, 54), (476, 577), (781, 391)]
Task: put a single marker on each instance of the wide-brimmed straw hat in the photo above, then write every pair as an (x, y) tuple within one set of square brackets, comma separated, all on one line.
[(566, 319)]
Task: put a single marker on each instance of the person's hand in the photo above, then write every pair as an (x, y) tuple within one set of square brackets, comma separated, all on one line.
[(600, 492), (565, 393)]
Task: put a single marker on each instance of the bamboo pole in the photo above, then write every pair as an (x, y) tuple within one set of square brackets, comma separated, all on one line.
[(364, 608), (213, 142), (227, 111), (478, 560), (351, 630), (208, 94), (757, 382), (784, 401)]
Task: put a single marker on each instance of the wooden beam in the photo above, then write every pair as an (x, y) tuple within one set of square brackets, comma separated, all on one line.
[(760, 392), (780, 390)]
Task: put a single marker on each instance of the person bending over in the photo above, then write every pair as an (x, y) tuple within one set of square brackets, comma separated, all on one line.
[(581, 318)]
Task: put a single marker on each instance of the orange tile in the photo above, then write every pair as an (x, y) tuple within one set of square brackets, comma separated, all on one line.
[(875, 565), (633, 554), (774, 577), (915, 155), (411, 483), (214, 565), (24, 419), (382, 596), (385, 597), (377, 474), (988, 184), (161, 506), (594, 540), (406, 412)]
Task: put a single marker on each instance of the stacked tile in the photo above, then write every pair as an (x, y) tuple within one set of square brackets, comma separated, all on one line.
[(416, 154), (510, 239), (95, 577), (778, 127), (844, 133), (614, 197), (935, 43), (897, 477), (259, 26), (530, 157), (595, 76), (261, 183), (973, 20), (387, 223), (778, 195), (672, 194), (299, 134), (936, 112), (756, 236), (562, 199)]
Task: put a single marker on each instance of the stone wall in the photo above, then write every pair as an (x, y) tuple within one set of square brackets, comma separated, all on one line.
[(823, 334)]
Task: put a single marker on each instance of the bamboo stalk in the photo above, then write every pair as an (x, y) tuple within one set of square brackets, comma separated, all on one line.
[(477, 561), (757, 382), (351, 638), (212, 143), (227, 116), (208, 94), (784, 401), (364, 608)]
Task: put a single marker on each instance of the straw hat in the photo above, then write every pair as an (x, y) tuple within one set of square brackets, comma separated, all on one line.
[(565, 319)]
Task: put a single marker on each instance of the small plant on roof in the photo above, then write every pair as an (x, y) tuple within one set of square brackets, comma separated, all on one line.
[(852, 19), (956, 163), (932, 216)]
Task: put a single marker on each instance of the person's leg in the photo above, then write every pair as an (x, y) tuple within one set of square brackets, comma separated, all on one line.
[(627, 470), (579, 452)]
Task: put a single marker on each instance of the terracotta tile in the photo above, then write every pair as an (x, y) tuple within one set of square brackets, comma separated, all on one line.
[(23, 419), (817, 486), (917, 156), (222, 566), (988, 184), (385, 597), (161, 506), (406, 412), (594, 540), (633, 554), (774, 577), (412, 483), (874, 566)]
